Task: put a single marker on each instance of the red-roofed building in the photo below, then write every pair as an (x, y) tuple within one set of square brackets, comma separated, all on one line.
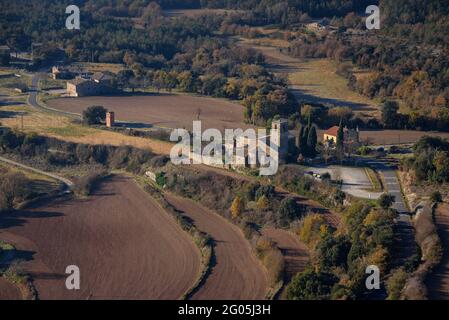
[(350, 135)]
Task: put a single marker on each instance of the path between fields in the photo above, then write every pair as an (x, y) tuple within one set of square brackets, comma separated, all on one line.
[(125, 245), (65, 181), (236, 274), (438, 282)]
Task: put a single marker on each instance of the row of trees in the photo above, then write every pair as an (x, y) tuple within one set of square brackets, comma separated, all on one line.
[(306, 140)]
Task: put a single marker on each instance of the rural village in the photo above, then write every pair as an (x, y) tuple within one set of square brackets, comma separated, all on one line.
[(86, 118)]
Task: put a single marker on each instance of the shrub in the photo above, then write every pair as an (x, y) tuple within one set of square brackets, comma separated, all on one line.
[(161, 179), (263, 203), (436, 197), (288, 211), (85, 185), (94, 115), (311, 285), (386, 201), (396, 283), (14, 188), (312, 228), (237, 207)]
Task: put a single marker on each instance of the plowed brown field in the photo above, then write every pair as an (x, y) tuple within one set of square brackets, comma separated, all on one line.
[(162, 110), (125, 245), (236, 273)]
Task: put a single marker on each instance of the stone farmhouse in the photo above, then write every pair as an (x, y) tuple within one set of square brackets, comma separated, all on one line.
[(59, 72), (98, 84)]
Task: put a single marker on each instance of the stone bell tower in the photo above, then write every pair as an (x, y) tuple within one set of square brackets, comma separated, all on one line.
[(282, 126)]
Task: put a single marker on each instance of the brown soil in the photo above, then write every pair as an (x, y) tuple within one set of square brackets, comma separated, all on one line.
[(8, 291), (162, 110), (296, 253), (125, 245), (385, 137), (438, 281), (236, 273)]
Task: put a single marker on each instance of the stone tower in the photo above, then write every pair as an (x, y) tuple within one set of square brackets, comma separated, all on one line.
[(110, 119), (282, 126)]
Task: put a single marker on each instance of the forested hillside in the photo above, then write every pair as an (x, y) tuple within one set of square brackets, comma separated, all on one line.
[(407, 60)]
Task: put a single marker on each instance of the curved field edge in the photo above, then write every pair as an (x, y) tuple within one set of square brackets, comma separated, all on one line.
[(201, 239), (236, 272), (14, 278)]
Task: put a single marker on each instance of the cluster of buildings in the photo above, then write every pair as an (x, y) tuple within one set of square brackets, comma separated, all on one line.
[(82, 84)]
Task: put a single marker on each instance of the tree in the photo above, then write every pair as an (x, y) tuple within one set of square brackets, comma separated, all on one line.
[(341, 137), (94, 115), (436, 197), (396, 283), (340, 141), (13, 187), (311, 285), (386, 201), (237, 207), (263, 203), (124, 77), (288, 211), (299, 141), (312, 140), (390, 114), (186, 82)]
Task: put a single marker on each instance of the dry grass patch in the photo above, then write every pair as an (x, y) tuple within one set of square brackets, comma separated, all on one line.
[(100, 67), (61, 127), (318, 78)]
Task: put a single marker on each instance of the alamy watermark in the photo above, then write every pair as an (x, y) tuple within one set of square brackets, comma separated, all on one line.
[(373, 280), (238, 148), (73, 280), (373, 20), (73, 20)]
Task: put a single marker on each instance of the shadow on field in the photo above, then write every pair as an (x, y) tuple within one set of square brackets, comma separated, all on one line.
[(18, 218), (304, 95)]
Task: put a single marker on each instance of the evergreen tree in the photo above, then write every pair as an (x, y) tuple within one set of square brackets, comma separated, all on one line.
[(312, 140), (299, 140), (304, 137), (340, 136)]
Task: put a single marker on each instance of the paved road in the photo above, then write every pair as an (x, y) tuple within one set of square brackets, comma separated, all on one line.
[(355, 180), (33, 101), (66, 182), (391, 182), (404, 241)]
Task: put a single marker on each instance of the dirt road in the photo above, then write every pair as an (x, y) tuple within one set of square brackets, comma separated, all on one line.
[(438, 281), (236, 273), (125, 245)]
